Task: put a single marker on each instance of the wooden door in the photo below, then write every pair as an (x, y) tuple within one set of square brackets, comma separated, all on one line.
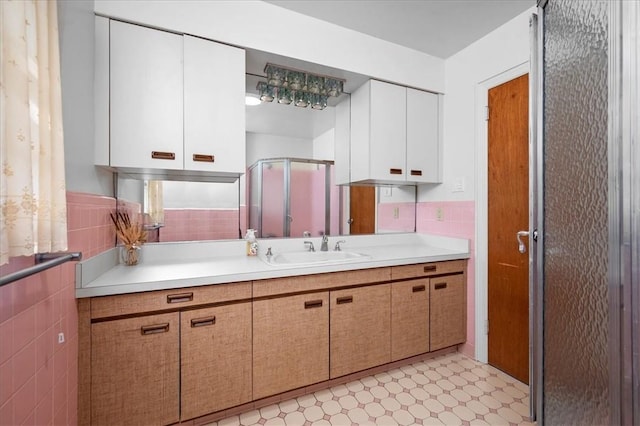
[(362, 210), (360, 333), (409, 318), (135, 371), (290, 343), (448, 311), (508, 213), (215, 359)]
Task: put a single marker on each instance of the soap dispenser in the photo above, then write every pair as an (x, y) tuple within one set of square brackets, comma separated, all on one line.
[(252, 242)]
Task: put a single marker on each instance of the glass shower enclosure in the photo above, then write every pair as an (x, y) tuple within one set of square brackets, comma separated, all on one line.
[(292, 197)]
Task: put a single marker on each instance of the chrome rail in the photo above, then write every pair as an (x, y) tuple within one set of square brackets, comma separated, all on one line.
[(43, 262)]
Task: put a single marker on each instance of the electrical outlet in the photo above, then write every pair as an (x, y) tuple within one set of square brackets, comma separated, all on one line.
[(439, 214), (60, 337), (396, 212)]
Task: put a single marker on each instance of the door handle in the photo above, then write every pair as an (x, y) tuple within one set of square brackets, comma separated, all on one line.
[(521, 247)]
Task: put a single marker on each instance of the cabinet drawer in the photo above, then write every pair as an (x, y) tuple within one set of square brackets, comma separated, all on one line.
[(277, 286), (136, 303), (427, 269)]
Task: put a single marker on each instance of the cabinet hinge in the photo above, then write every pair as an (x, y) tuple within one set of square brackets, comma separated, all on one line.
[(486, 327), (486, 113)]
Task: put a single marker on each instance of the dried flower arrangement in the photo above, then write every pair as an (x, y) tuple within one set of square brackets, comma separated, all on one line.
[(131, 235)]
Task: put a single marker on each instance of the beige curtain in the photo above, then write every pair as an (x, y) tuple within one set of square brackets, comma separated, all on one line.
[(33, 216)]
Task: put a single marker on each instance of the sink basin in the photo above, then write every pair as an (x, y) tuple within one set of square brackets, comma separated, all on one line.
[(311, 258)]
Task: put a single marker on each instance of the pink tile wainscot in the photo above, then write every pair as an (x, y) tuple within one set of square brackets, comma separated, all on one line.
[(38, 375)]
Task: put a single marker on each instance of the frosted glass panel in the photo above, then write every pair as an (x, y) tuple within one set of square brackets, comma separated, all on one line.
[(576, 369)]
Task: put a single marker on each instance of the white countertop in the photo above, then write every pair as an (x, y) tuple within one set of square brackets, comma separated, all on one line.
[(178, 265)]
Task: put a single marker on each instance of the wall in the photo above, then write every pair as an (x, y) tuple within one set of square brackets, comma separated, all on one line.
[(260, 146), (255, 25), (461, 214), (75, 25), (38, 375), (500, 50)]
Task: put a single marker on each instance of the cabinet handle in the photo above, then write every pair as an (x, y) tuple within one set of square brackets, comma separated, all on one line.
[(395, 171), (417, 288), (346, 299), (153, 329), (313, 304), (440, 286), (159, 155), (201, 322), (179, 298), (430, 268), (204, 158), (416, 172)]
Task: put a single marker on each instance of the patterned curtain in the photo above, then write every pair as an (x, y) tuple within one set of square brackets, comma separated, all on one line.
[(33, 216)]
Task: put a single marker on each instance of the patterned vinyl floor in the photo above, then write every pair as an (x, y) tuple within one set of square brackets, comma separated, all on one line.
[(451, 390)]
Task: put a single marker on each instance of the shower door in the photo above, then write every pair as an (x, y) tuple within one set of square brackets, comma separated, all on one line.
[(587, 213)]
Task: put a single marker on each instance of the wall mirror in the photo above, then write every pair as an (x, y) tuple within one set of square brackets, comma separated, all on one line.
[(276, 135)]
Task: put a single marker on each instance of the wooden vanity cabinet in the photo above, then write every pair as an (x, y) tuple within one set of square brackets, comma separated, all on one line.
[(360, 332), (215, 359), (409, 318), (290, 343), (448, 311), (135, 374)]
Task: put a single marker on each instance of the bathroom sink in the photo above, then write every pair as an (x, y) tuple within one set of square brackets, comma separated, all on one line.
[(311, 258)]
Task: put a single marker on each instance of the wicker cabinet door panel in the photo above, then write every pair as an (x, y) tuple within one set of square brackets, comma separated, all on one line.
[(409, 318), (360, 328), (290, 343), (448, 321), (135, 371), (215, 359)]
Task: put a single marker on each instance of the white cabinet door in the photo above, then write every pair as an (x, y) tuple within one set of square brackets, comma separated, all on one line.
[(146, 97), (214, 110), (342, 142), (388, 124), (423, 147)]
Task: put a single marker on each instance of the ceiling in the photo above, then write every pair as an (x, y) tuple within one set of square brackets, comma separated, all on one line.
[(436, 27)]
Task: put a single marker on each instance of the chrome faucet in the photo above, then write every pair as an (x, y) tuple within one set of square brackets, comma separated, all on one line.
[(337, 247), (310, 244), (325, 243)]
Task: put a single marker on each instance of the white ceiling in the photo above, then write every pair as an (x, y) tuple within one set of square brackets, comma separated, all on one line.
[(437, 27)]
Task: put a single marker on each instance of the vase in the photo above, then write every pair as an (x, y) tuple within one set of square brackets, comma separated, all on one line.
[(130, 255)]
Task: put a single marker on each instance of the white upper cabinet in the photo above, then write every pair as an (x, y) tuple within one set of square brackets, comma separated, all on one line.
[(214, 110), (395, 135), (423, 137), (145, 75), (169, 102)]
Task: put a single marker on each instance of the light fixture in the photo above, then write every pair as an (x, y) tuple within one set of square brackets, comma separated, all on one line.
[(300, 88), (252, 100)]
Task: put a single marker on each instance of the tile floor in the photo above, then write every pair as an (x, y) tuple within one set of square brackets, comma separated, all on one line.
[(450, 389)]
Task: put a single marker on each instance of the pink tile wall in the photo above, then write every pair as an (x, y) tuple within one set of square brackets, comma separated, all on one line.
[(405, 222), (39, 376), (454, 219), (201, 224)]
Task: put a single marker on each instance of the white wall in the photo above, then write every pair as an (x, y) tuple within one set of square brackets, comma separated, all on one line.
[(76, 27), (258, 25), (261, 146), (497, 52), (323, 146)]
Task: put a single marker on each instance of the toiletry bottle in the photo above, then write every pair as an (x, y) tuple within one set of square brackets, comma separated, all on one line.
[(252, 242)]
